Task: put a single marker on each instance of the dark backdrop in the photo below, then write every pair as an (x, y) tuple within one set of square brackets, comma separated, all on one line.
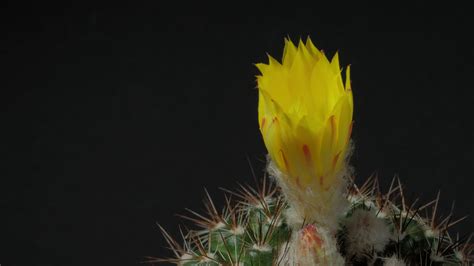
[(115, 119)]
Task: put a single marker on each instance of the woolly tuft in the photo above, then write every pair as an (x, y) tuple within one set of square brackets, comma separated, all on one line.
[(323, 207), (366, 232)]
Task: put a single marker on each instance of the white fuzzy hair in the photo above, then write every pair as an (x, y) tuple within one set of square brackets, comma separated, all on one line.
[(323, 206), (298, 252), (366, 232)]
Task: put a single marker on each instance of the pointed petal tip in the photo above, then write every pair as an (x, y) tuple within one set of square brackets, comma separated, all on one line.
[(348, 78), (261, 67), (272, 61), (300, 42)]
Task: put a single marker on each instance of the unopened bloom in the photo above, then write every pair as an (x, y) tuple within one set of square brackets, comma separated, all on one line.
[(305, 114)]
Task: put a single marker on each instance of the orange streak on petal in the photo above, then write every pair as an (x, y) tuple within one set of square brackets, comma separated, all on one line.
[(274, 120), (350, 132), (307, 153)]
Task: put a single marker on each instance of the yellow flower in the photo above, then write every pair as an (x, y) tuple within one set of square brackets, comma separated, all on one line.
[(305, 114)]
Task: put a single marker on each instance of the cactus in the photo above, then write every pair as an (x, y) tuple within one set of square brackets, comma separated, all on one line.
[(377, 229), (307, 209)]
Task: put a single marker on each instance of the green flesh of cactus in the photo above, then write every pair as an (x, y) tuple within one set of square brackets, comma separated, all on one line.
[(254, 231)]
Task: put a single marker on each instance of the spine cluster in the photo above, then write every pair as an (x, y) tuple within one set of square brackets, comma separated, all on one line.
[(376, 229)]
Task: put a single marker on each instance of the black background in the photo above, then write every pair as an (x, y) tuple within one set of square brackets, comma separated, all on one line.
[(115, 119)]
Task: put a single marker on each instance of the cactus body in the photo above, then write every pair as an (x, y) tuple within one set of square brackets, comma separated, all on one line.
[(376, 229)]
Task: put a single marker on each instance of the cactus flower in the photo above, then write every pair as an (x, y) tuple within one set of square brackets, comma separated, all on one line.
[(305, 114), (315, 216)]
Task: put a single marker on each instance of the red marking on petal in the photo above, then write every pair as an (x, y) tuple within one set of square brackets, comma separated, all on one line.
[(307, 153), (274, 120), (321, 180), (350, 132), (263, 122)]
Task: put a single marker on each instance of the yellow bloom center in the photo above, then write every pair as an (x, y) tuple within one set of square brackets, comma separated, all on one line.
[(305, 114)]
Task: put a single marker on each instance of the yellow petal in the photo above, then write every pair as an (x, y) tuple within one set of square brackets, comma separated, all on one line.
[(288, 52), (305, 114)]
